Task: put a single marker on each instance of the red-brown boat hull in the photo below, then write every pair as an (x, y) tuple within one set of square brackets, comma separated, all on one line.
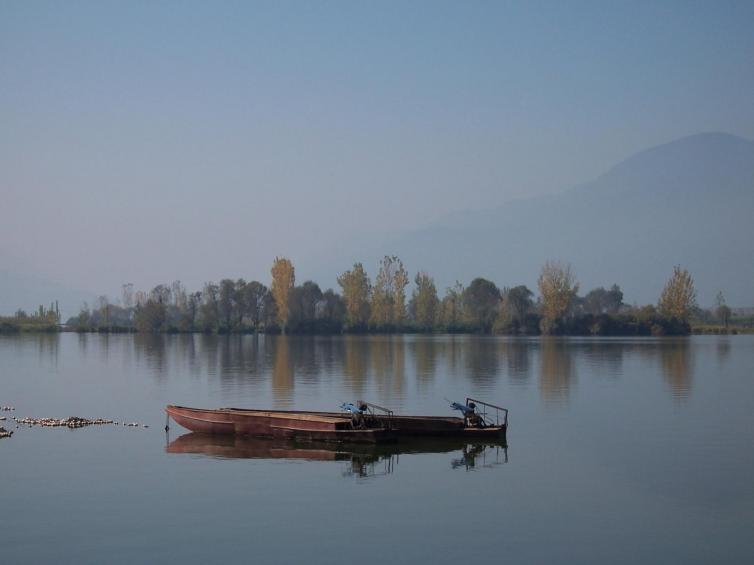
[(319, 426), (325, 426)]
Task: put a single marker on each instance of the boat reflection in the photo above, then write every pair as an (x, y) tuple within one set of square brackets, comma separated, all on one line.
[(361, 460)]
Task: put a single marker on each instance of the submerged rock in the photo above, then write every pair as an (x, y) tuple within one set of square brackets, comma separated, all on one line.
[(71, 422), (5, 433)]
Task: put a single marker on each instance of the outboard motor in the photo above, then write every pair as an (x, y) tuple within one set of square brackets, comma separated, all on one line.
[(469, 414), (352, 408), (357, 411)]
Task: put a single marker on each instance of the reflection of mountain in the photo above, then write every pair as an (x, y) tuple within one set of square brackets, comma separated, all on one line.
[(363, 459)]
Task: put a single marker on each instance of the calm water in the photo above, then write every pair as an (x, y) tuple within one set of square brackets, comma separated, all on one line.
[(620, 451)]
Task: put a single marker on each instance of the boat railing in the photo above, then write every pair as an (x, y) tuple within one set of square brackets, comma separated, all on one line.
[(498, 410), (386, 412)]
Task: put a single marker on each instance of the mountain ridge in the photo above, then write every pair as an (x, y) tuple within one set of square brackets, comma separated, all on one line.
[(688, 201)]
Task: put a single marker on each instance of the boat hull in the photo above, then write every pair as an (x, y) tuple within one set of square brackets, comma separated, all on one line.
[(324, 426), (314, 426), (441, 426)]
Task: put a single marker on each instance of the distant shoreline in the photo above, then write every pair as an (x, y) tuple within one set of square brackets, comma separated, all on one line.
[(701, 329)]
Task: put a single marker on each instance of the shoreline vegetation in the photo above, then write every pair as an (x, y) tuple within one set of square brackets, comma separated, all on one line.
[(383, 306)]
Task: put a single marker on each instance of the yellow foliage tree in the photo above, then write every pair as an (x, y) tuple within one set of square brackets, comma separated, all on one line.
[(679, 295), (283, 280), (558, 288), (356, 291), (389, 294)]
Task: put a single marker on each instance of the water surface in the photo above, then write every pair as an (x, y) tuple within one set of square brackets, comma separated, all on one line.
[(619, 450)]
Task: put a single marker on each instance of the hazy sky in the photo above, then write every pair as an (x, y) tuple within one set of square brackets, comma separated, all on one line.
[(145, 142)]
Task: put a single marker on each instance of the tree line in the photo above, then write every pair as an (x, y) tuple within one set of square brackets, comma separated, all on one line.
[(44, 319), (384, 304)]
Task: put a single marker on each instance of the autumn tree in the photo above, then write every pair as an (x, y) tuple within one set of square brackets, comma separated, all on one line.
[(451, 307), (480, 304), (557, 289), (389, 293), (356, 292), (424, 304), (678, 297), (283, 280), (150, 317)]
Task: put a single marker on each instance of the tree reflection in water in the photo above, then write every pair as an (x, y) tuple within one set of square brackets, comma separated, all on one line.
[(677, 366), (557, 374), (376, 364), (282, 372), (355, 356)]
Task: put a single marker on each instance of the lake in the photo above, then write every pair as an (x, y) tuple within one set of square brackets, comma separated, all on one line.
[(619, 451)]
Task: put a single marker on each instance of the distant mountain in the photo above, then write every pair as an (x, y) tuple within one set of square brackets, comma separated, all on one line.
[(688, 202)]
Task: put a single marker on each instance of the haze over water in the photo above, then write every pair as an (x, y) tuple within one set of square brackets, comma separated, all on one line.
[(620, 451)]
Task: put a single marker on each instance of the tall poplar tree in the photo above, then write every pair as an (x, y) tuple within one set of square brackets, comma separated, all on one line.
[(389, 293), (356, 293), (283, 280)]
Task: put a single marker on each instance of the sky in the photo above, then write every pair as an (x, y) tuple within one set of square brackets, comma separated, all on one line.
[(150, 141)]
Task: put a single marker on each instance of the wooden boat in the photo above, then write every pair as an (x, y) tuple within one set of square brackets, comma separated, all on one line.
[(320, 426), (365, 422)]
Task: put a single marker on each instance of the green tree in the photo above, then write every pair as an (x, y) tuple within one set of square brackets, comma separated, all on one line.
[(331, 312), (558, 289), (601, 301), (515, 305), (303, 306), (480, 304), (252, 300), (356, 292), (678, 297), (424, 304)]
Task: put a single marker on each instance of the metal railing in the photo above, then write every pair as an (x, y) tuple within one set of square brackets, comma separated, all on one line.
[(387, 417), (483, 413)]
